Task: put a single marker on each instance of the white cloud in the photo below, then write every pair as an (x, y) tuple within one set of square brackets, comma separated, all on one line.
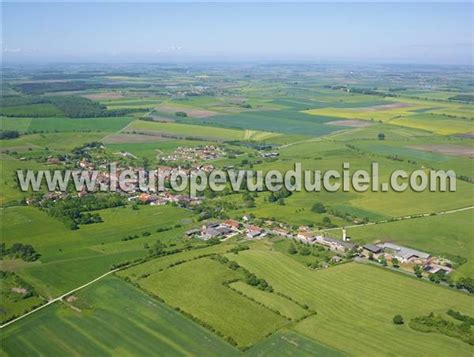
[(11, 50), (169, 49)]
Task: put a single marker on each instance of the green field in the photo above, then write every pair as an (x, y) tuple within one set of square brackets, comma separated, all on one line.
[(328, 155), (36, 110), (49, 143), (448, 234), (286, 307), (184, 298), (356, 302), (137, 272), (64, 253), (111, 316), (196, 288), (62, 124), (197, 131), (435, 123), (9, 188), (290, 343), (282, 121), (440, 118), (17, 297)]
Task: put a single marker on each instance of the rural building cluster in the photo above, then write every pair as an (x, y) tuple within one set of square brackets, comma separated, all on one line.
[(194, 154), (382, 252)]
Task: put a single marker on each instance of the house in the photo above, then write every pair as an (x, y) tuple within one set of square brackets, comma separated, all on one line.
[(335, 244), (371, 249), (144, 198), (159, 202), (209, 233), (82, 193), (84, 164), (232, 224), (225, 231), (403, 254), (269, 154), (164, 171), (281, 232), (305, 236), (215, 230), (211, 225), (207, 168), (435, 268), (192, 232), (53, 161), (254, 232)]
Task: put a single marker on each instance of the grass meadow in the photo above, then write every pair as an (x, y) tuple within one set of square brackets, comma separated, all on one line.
[(355, 304), (111, 316), (71, 258), (196, 288), (198, 131)]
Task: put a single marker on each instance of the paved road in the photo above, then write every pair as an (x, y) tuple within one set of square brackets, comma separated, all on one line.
[(59, 298)]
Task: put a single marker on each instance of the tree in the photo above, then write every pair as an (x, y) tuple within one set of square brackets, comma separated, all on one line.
[(252, 280), (418, 271), (157, 248), (327, 221), (383, 261), (292, 249), (381, 136), (9, 134), (318, 207), (395, 263), (305, 250), (249, 201), (398, 320), (435, 278), (234, 265)]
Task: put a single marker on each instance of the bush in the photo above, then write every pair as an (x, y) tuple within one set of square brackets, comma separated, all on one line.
[(318, 207), (398, 320), (292, 249), (9, 134)]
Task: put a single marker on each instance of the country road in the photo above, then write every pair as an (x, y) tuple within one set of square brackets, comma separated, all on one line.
[(59, 298)]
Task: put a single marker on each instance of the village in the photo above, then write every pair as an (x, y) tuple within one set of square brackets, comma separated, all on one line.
[(384, 253), (408, 260), (194, 154), (150, 194)]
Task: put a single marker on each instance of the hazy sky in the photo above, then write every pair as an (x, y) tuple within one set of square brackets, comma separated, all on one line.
[(153, 32)]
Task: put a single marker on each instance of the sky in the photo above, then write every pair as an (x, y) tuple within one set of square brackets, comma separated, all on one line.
[(432, 33)]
